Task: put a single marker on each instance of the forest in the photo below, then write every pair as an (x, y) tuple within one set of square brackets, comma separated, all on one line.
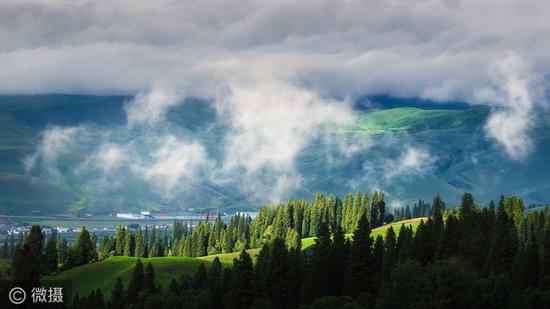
[(459, 257)]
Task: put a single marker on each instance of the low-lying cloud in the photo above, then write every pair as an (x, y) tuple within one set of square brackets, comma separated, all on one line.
[(55, 142), (410, 162), (514, 94)]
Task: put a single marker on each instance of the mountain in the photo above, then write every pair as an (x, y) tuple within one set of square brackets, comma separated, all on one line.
[(408, 148)]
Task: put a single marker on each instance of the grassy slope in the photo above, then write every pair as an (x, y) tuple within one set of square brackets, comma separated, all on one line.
[(102, 274), (382, 230)]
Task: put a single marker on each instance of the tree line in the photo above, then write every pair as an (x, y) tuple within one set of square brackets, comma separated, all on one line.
[(472, 258), (290, 221)]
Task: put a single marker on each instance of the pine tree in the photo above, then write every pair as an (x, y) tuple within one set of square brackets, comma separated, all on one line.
[(140, 244), (360, 264), (378, 254), (117, 295), (242, 289), (451, 238), (438, 225), (51, 259), (277, 274), (357, 209), (215, 283), (527, 264), (545, 254), (173, 287), (424, 244), (339, 254), (262, 267), (83, 249), (136, 283), (391, 253), (503, 245), (149, 283), (347, 215), (63, 250), (201, 277), (119, 240), (129, 244), (321, 270), (296, 276), (99, 299)]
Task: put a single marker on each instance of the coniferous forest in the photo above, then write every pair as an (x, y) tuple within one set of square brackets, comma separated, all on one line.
[(458, 257)]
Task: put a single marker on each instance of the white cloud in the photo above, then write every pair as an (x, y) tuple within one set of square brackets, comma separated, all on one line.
[(149, 108), (55, 142), (271, 122), (512, 118), (108, 158), (173, 165), (412, 161)]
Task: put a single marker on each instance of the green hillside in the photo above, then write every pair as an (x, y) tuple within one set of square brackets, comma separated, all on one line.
[(103, 273)]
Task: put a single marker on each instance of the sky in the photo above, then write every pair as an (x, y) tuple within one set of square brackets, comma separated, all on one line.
[(278, 63)]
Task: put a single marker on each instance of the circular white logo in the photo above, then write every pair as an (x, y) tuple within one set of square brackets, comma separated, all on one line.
[(17, 295)]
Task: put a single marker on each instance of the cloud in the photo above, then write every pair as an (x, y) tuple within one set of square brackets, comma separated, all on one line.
[(511, 118), (435, 49), (277, 72), (149, 108), (270, 123), (108, 158), (55, 142), (173, 165), (412, 161)]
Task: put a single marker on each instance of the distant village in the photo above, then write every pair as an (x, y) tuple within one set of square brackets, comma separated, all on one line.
[(159, 221)]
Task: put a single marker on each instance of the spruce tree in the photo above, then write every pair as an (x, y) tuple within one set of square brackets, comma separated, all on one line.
[(215, 283), (242, 289), (338, 256), (360, 263), (391, 254), (136, 283), (119, 240), (321, 270), (83, 249), (503, 245), (378, 254), (545, 254), (149, 282), (277, 274), (201, 277), (117, 295), (63, 251), (405, 244), (261, 269), (139, 244), (51, 256), (438, 225), (527, 263)]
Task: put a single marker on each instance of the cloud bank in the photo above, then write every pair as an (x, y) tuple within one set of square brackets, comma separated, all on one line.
[(275, 72)]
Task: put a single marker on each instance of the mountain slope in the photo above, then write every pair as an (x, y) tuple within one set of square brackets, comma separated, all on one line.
[(408, 152)]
